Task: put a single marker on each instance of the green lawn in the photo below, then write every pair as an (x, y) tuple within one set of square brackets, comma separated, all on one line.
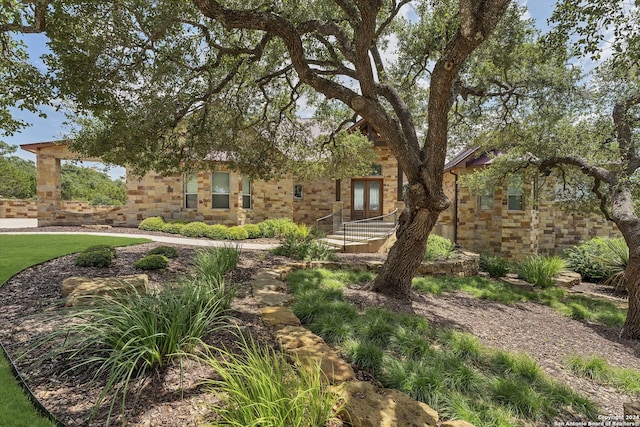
[(18, 252)]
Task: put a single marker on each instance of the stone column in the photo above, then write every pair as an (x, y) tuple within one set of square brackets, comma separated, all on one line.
[(48, 178)]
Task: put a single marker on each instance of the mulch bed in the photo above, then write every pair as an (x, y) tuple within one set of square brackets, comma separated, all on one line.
[(30, 307)]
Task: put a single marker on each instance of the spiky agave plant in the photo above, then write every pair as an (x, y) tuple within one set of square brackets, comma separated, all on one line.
[(615, 259)]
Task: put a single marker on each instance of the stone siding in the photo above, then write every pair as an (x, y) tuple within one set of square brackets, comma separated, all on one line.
[(164, 196), (271, 199), (156, 195), (516, 234), (317, 200), (84, 207), (389, 166)]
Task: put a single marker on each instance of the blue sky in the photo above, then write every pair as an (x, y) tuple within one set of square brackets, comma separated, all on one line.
[(53, 128)]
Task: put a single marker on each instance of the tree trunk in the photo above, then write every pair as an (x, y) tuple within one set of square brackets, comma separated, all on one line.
[(406, 254), (623, 214), (631, 328)]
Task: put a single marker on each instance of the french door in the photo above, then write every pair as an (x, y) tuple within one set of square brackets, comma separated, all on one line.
[(366, 198)]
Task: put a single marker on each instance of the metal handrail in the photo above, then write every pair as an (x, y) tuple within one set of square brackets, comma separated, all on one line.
[(363, 229), (331, 222), (375, 218)]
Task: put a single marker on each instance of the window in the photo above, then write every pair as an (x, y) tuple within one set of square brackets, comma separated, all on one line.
[(297, 192), (514, 195), (220, 190), (246, 193), (191, 191), (376, 170), (485, 202)]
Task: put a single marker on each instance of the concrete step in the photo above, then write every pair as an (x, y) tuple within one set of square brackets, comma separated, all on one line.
[(355, 238), (338, 242)]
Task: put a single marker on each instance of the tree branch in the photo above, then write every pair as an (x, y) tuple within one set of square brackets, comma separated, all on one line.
[(394, 12), (402, 111), (478, 19), (330, 29), (283, 29), (598, 173), (39, 24)]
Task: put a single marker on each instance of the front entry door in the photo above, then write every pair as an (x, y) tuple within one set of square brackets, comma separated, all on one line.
[(366, 198)]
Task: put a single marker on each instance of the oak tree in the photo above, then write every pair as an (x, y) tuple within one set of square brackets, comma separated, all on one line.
[(608, 33), (590, 141), (159, 84)]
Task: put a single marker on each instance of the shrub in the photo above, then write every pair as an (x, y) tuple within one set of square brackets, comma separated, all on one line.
[(304, 248), (438, 248), (107, 248), (495, 265), (152, 262), (95, 258), (281, 227), (540, 270), (585, 259), (237, 233), (173, 227), (262, 388), (195, 229), (154, 223), (126, 337), (218, 232), (253, 231), (168, 251)]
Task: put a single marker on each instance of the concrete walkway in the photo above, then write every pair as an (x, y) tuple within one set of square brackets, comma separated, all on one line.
[(18, 223), (176, 240)]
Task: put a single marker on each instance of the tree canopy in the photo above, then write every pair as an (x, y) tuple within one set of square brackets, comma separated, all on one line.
[(23, 86), (17, 176), (93, 186)]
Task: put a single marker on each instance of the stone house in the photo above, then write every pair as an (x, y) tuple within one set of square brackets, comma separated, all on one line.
[(223, 196), (517, 220)]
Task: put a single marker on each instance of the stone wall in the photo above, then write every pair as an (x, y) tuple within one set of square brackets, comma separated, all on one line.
[(271, 199), (156, 195), (460, 264), (18, 208), (24, 208), (84, 207)]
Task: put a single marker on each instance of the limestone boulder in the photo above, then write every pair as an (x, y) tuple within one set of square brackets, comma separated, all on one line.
[(309, 350), (269, 290), (369, 406), (278, 317), (515, 283), (568, 279), (79, 290)]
